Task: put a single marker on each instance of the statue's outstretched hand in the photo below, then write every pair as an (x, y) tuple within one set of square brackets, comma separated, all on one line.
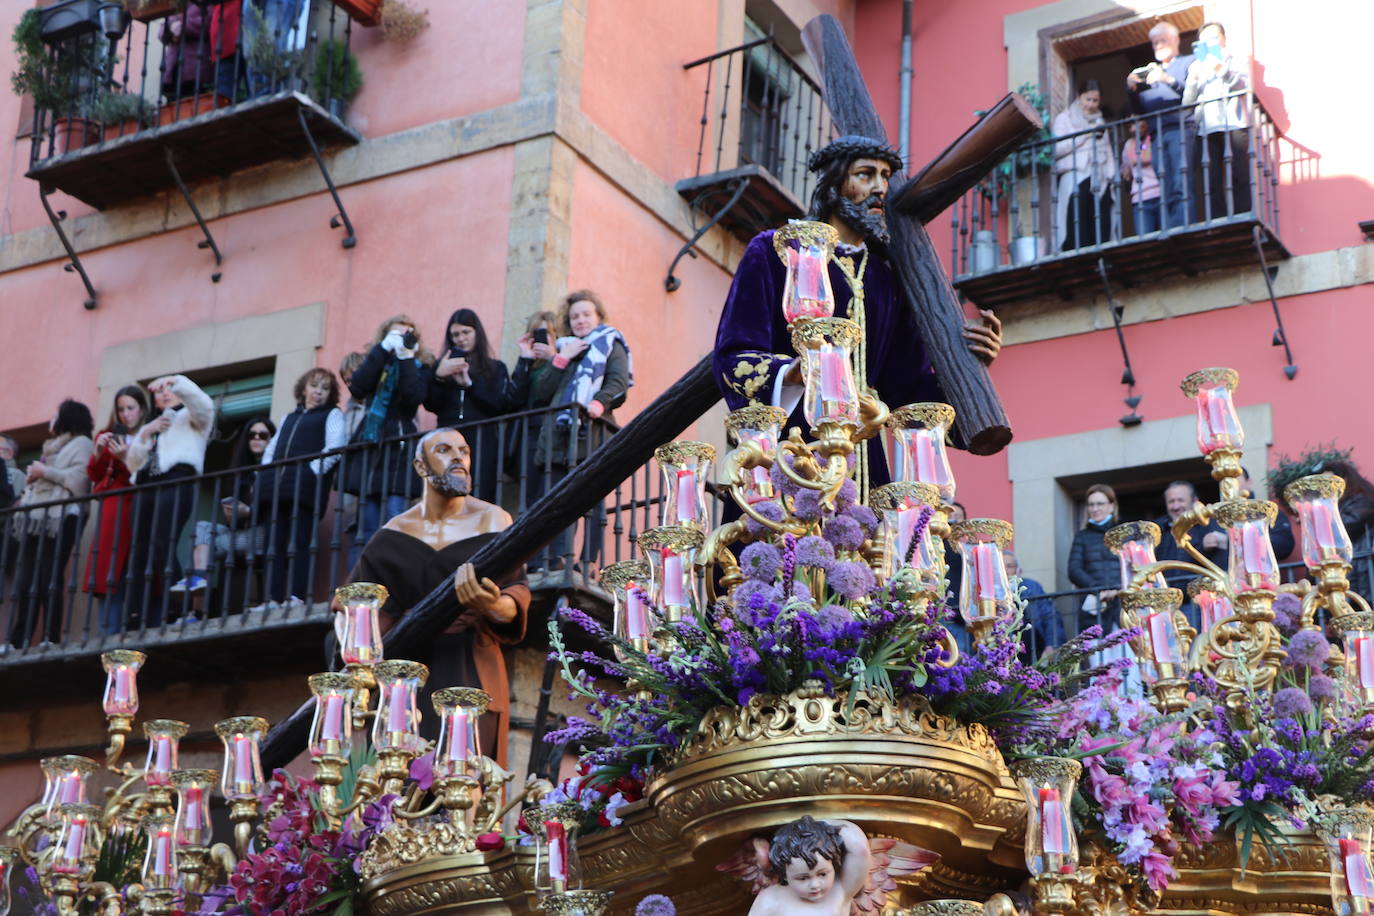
[(984, 336), (481, 595)]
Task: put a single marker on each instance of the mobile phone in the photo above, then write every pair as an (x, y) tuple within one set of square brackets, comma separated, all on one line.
[(541, 335), (457, 352), (1142, 72), (119, 429), (410, 340)]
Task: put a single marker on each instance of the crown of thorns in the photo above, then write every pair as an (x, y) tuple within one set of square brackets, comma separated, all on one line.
[(853, 147)]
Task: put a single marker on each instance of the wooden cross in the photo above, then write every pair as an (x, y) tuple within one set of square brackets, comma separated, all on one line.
[(981, 425)]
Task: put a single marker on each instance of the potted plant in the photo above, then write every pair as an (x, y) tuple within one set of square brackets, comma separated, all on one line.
[(148, 10), (123, 113), (363, 12), (60, 84), (1032, 160), (337, 79)]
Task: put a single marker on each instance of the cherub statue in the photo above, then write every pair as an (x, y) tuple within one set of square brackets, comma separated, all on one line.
[(823, 867)]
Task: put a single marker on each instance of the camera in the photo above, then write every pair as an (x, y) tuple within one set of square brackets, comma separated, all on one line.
[(409, 340)]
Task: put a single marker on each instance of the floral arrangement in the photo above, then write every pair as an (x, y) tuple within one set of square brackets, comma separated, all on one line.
[(600, 797)]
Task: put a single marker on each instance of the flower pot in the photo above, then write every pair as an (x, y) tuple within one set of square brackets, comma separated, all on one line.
[(148, 10), (74, 133), (900, 768), (363, 12), (190, 107), (1024, 249), (1295, 878), (982, 253)]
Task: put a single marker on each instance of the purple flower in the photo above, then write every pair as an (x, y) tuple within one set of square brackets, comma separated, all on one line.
[(769, 510), (1292, 702), (832, 622), (1287, 612), (780, 480), (847, 496), (844, 533), (789, 562), (852, 579), (866, 517), (806, 505), (1308, 649), (815, 551), (760, 561), (750, 589), (655, 905), (1321, 688)]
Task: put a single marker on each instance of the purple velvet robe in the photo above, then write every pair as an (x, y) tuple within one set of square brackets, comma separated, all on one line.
[(753, 345)]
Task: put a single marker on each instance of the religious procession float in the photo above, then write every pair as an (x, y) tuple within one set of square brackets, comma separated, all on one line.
[(781, 721)]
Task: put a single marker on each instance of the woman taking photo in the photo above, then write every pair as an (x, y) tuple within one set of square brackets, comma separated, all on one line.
[(107, 471), (1086, 166), (391, 380), (48, 533), (466, 385), (169, 451), (590, 373), (293, 496)]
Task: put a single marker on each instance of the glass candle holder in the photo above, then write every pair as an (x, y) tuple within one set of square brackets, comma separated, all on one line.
[(557, 867), (459, 709), (1253, 566), (1316, 499), (1048, 784), (686, 470), (164, 743), (78, 841), (121, 681), (1161, 647), (68, 776), (984, 593), (1218, 426), (361, 640), (671, 553), (1134, 544), (1357, 637), (242, 736), (331, 729), (757, 426), (194, 788), (9, 859), (899, 505), (1348, 833), (160, 861), (628, 584), (914, 442), (826, 345), (1213, 606), (805, 247), (397, 723)]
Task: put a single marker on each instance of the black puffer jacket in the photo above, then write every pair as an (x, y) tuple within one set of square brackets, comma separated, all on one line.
[(1091, 564)]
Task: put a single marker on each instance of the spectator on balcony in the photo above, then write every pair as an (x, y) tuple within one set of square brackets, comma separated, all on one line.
[(274, 34), (1157, 89), (13, 478), (1281, 532), (1137, 169), (391, 381), (1046, 629), (590, 374), (1216, 85), (169, 452), (293, 497), (468, 385), (225, 27), (107, 471), (1091, 564), (236, 539), (353, 411), (1086, 166), (47, 533), (954, 575), (1210, 539), (418, 550), (536, 352)]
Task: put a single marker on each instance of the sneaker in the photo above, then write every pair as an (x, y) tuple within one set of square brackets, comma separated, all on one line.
[(189, 584), (264, 607), (292, 603)]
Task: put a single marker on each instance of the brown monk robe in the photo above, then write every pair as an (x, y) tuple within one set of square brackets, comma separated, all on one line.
[(418, 550)]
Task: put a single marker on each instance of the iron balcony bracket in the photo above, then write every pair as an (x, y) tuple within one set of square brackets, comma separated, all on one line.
[(209, 241), (1290, 369), (1127, 374), (737, 187), (74, 261), (351, 237)]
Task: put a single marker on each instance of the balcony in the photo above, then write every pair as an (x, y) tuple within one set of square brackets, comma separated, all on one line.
[(761, 116), (1026, 230), (230, 627), (124, 110)]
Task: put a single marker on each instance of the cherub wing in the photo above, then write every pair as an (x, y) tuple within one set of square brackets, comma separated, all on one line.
[(750, 864), (890, 859)]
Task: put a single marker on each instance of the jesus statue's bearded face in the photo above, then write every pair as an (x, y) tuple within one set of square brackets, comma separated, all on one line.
[(862, 204), (444, 462)]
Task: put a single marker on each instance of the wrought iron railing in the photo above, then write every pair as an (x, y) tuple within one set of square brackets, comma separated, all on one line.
[(1062, 196), (760, 107), (95, 76), (118, 567)]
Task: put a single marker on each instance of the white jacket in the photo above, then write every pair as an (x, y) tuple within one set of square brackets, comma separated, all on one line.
[(184, 442)]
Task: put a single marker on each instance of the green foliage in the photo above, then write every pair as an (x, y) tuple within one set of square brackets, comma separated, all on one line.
[(260, 48), (336, 72), (1028, 158), (1312, 461), (121, 858), (55, 80), (118, 107)]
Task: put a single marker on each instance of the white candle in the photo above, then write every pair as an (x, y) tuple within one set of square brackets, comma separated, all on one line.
[(243, 763), (686, 496), (673, 593)]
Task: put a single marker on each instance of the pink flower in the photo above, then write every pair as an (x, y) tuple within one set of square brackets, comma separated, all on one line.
[(490, 842), (1224, 792), (1158, 869), (1193, 793), (422, 770), (1112, 791)]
